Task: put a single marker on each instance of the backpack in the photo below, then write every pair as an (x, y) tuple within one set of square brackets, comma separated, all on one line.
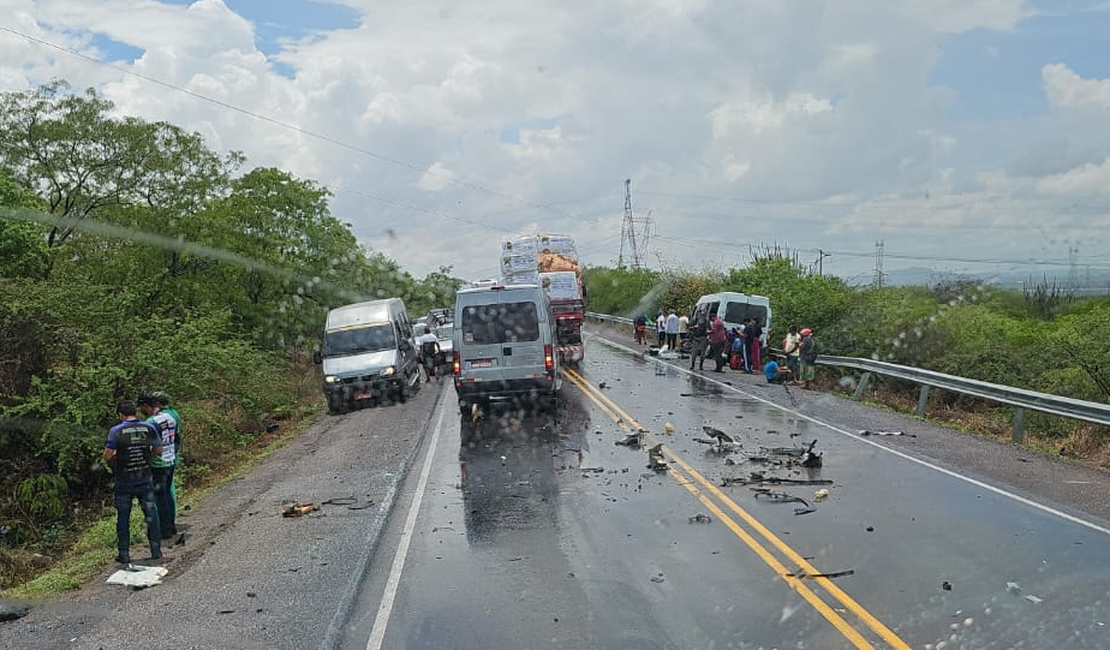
[(809, 350)]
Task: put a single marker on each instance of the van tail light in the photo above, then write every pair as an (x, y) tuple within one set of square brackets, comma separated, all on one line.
[(548, 358), (456, 363)]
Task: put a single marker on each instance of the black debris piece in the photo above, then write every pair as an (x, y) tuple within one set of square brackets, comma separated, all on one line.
[(836, 574), (701, 519), (947, 586), (717, 434), (631, 440), (781, 497), (10, 611)]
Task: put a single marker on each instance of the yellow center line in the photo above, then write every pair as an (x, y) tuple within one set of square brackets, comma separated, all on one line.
[(578, 381), (836, 592), (794, 582)]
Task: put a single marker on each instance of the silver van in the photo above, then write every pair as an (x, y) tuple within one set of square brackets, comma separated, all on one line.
[(368, 354), (503, 347)]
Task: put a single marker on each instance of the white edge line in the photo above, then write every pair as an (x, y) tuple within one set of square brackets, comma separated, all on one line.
[(986, 486), (389, 594)]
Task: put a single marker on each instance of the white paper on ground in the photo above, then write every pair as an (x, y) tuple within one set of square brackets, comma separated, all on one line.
[(138, 576)]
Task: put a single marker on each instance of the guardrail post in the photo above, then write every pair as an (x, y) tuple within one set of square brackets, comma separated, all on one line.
[(862, 386), (922, 401), (1019, 424)]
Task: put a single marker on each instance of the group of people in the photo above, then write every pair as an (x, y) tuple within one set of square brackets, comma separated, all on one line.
[(143, 454), (740, 347)]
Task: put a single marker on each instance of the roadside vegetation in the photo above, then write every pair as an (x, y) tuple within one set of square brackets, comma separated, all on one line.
[(135, 258), (1042, 338)]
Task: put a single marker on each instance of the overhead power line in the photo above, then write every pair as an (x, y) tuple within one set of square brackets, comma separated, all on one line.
[(447, 178)]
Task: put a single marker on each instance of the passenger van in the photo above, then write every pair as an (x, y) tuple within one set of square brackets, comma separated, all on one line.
[(733, 308), (504, 346), (368, 354)]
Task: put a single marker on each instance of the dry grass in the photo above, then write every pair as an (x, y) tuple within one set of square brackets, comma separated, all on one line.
[(1086, 443)]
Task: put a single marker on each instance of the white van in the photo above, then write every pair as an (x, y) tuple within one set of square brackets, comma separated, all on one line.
[(368, 354), (733, 308), (503, 346)]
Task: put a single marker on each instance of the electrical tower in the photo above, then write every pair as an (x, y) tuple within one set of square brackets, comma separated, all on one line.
[(879, 273), (637, 243), (1073, 267)]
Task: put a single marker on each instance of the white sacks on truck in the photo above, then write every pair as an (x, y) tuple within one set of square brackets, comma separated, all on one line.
[(561, 285)]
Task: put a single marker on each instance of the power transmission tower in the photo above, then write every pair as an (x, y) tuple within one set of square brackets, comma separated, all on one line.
[(879, 273), (1073, 267), (637, 244)]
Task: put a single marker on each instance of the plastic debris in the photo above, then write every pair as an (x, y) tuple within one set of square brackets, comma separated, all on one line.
[(631, 440), (701, 519), (836, 574), (821, 494), (947, 586), (669, 428), (657, 579), (1013, 587), (296, 509), (1033, 599), (866, 432)]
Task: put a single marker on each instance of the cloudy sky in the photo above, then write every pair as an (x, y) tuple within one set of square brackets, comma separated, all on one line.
[(967, 135)]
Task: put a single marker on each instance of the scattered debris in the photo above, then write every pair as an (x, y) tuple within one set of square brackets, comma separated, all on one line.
[(1013, 587), (593, 470), (137, 576), (657, 579), (947, 586), (296, 509), (811, 459), (656, 461), (717, 434), (870, 529), (226, 611), (757, 478), (669, 428), (631, 440), (601, 385), (701, 519), (781, 497), (821, 494), (729, 461), (803, 511), (1033, 599), (836, 574), (866, 432)]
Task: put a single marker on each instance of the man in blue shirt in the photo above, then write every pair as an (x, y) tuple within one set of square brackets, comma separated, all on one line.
[(131, 446), (775, 373)]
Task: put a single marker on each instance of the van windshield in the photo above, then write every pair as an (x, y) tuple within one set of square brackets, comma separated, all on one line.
[(508, 322), (370, 338), (736, 312)]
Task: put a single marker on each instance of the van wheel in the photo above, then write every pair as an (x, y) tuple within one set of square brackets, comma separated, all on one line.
[(336, 406)]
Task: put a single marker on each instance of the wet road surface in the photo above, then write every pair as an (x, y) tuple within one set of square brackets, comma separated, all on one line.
[(549, 535)]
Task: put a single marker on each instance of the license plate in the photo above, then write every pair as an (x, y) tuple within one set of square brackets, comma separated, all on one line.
[(481, 363), (363, 394)]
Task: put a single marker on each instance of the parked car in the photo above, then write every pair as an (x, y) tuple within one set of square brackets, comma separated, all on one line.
[(367, 354)]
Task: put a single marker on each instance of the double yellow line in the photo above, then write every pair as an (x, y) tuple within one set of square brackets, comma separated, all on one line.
[(718, 502)]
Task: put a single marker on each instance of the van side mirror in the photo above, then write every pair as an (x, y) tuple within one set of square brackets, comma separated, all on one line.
[(316, 358)]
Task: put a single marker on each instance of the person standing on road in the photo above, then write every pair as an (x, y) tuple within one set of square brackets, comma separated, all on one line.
[(661, 329), (131, 446), (162, 465), (683, 328), (753, 333), (429, 354), (792, 347), (718, 338), (640, 327), (672, 330), (808, 358), (164, 401), (699, 338)]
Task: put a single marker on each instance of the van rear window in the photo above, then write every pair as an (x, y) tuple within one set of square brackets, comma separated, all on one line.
[(508, 322), (736, 312)]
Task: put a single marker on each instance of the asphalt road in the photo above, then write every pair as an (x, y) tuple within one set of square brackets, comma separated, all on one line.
[(546, 534), (549, 535)]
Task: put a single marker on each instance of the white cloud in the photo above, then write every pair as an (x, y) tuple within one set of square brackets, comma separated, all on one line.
[(1067, 90), (437, 177), (1083, 180), (488, 110)]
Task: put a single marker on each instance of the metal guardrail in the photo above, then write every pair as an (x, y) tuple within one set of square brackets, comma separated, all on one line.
[(1019, 398)]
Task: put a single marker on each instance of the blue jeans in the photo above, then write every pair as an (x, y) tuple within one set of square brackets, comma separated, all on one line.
[(163, 497), (145, 494)]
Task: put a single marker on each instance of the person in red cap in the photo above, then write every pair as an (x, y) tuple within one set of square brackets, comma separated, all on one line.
[(808, 357)]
